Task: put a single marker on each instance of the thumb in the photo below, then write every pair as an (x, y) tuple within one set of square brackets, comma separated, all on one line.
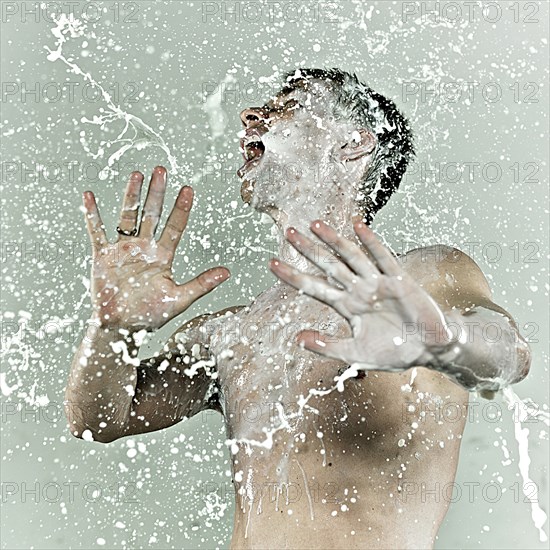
[(207, 281), (312, 340), (324, 344)]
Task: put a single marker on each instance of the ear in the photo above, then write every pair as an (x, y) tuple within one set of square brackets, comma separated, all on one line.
[(362, 142)]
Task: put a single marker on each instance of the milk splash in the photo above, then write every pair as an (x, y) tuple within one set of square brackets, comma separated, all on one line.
[(521, 412), (288, 420), (136, 134)]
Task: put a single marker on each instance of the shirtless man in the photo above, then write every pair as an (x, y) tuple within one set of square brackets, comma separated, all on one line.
[(324, 454)]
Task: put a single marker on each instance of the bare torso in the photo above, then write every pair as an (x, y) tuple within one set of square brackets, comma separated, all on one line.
[(364, 465), (350, 469)]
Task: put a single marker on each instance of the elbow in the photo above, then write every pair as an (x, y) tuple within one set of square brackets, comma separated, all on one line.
[(89, 425), (86, 434), (523, 361)]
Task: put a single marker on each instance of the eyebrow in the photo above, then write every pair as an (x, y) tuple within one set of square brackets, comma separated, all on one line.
[(286, 90), (271, 103)]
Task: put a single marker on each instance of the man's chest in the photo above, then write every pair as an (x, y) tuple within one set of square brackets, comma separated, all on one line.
[(257, 350), (269, 383)]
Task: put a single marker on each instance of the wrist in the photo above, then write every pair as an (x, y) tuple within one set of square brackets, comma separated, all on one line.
[(447, 347), (442, 356)]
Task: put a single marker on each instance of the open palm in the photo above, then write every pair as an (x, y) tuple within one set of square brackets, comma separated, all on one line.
[(132, 281)]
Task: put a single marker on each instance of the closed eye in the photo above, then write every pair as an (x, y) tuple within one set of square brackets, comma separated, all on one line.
[(286, 105), (293, 103)]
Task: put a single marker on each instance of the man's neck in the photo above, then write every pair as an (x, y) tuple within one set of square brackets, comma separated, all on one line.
[(339, 216)]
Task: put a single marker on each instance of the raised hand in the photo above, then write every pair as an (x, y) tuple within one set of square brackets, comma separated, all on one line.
[(370, 289), (132, 281)]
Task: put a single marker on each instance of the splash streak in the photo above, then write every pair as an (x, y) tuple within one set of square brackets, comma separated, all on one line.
[(521, 414), (136, 134), (285, 418)]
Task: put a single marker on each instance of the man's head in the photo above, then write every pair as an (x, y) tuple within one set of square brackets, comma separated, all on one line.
[(324, 141)]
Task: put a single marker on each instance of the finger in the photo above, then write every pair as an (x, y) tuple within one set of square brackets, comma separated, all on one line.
[(308, 284), (152, 208), (325, 260), (201, 285), (96, 229), (320, 343), (386, 261), (177, 221), (348, 250), (130, 204)]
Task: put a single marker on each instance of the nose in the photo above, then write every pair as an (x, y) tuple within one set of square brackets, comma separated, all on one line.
[(253, 114)]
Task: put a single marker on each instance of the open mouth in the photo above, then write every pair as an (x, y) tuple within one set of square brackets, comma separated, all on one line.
[(252, 149)]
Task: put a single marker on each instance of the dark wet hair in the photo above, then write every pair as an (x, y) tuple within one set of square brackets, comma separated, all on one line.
[(355, 101)]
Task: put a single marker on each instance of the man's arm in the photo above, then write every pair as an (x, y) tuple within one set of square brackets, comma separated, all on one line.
[(110, 393), (485, 349), (414, 312)]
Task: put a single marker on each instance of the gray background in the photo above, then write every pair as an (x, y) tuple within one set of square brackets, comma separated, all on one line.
[(166, 55)]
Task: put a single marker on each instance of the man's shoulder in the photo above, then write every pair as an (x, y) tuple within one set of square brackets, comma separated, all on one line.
[(197, 331), (440, 257), (445, 267)]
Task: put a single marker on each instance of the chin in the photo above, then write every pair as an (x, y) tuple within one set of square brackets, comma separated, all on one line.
[(247, 191), (253, 179)]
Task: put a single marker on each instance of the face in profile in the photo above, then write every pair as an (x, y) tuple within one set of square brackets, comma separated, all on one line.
[(291, 146)]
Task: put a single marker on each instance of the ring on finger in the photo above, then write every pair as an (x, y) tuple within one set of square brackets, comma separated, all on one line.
[(131, 233)]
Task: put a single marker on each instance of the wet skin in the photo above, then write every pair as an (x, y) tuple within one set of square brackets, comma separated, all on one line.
[(312, 466)]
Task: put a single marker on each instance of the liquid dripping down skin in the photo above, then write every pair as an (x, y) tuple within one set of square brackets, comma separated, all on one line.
[(308, 493)]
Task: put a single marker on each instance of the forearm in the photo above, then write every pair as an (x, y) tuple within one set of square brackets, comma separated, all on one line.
[(486, 351), (102, 383), (112, 394)]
